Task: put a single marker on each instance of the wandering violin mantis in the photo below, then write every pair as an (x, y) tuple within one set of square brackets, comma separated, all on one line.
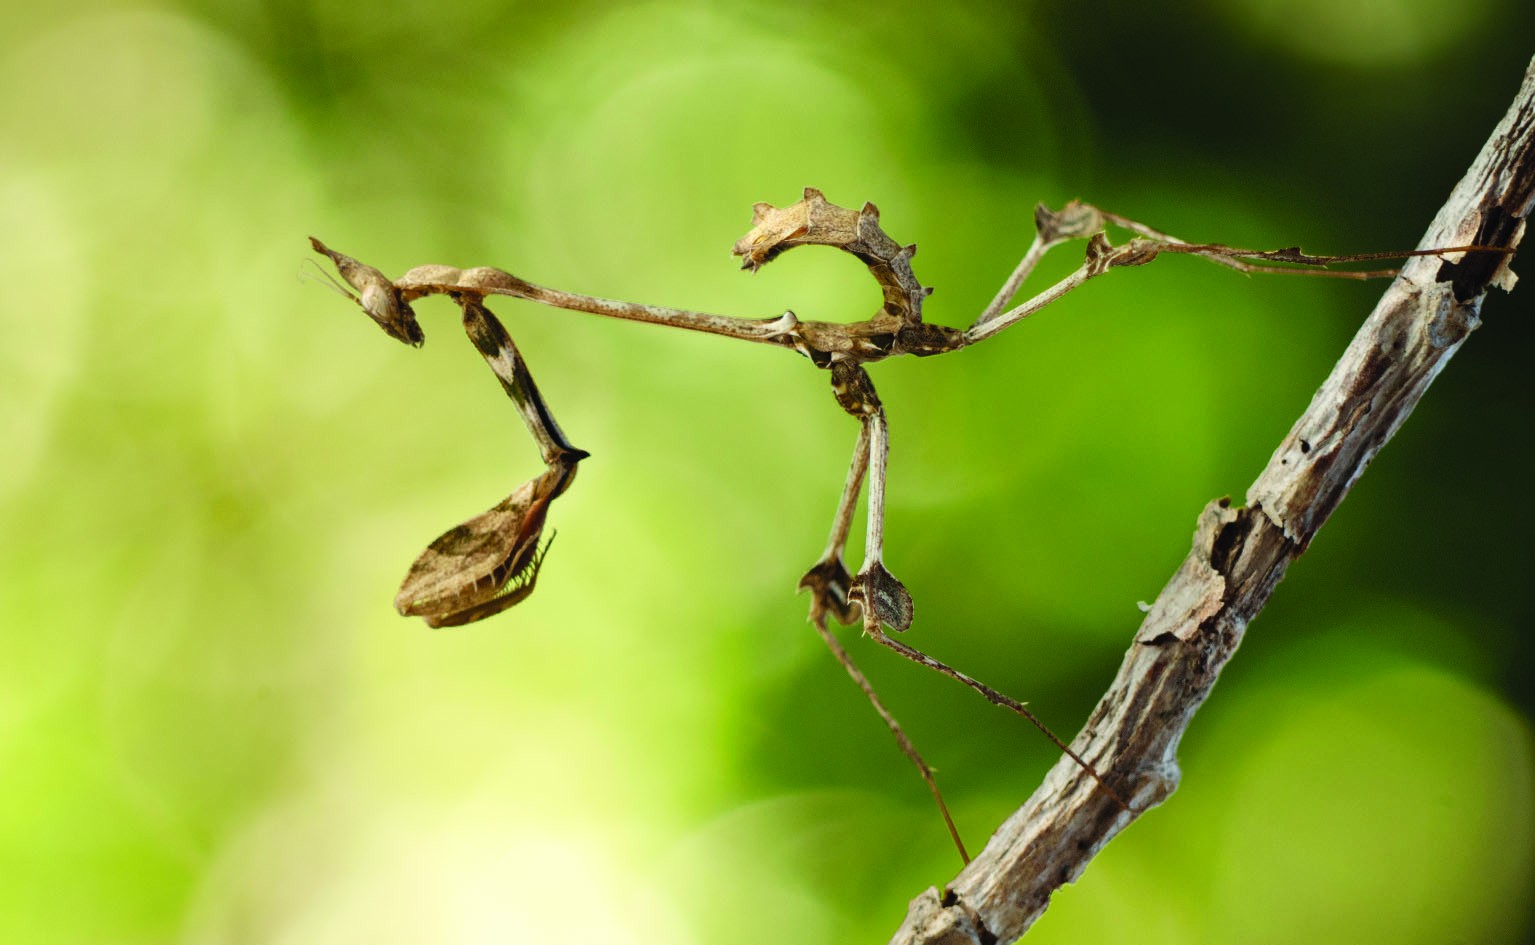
[(491, 562)]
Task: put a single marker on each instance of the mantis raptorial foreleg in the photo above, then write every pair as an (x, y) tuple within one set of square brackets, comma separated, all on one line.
[(490, 562), (490, 338)]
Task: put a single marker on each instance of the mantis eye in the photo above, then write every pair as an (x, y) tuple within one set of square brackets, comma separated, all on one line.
[(378, 296)]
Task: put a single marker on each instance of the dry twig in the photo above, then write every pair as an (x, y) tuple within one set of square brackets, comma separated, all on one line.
[(1239, 555)]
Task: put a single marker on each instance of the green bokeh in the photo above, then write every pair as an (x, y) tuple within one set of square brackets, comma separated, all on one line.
[(213, 728)]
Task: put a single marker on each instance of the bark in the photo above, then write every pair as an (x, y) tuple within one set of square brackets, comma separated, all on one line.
[(1239, 555)]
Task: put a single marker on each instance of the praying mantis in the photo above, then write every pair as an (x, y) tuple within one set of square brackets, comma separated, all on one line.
[(492, 561)]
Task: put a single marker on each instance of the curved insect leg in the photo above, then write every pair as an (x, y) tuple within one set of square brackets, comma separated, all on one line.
[(1078, 220), (490, 338), (902, 740), (491, 562), (882, 598), (1051, 229), (832, 587)]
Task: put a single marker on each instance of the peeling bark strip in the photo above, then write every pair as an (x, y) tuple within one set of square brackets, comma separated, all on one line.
[(1239, 555)]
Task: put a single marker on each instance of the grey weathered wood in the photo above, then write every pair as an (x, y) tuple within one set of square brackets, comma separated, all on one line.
[(1239, 555)]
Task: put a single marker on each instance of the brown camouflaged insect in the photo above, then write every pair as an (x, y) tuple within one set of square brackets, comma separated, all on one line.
[(491, 562)]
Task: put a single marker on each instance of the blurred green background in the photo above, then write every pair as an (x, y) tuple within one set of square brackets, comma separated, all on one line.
[(214, 729)]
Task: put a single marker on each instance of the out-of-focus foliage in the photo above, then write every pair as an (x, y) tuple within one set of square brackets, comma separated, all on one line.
[(213, 729)]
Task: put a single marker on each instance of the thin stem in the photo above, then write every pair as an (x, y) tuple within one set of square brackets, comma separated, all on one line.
[(905, 744), (995, 698)]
